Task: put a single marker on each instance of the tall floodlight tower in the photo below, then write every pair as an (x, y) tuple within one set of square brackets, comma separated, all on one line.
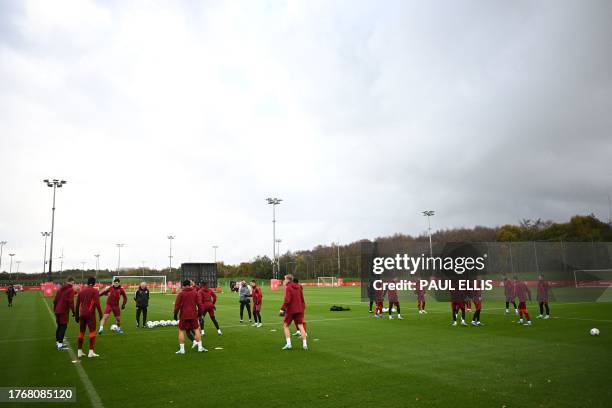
[(55, 184), (428, 214), (274, 202)]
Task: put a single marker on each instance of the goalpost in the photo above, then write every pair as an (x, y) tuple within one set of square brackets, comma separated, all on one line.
[(327, 281), (155, 284), (593, 278)]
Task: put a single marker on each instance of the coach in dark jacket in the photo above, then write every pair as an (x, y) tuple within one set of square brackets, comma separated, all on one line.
[(142, 302)]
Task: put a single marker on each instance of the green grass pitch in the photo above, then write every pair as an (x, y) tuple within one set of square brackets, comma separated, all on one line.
[(354, 359)]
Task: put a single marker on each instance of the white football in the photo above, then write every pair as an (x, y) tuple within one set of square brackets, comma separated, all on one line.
[(150, 325), (594, 332), (114, 327)]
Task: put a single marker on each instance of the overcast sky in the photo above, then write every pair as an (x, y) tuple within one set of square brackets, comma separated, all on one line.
[(181, 118)]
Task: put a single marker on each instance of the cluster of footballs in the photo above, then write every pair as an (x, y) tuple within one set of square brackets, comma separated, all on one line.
[(163, 323)]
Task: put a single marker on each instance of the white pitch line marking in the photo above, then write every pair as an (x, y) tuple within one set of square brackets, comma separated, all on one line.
[(91, 390)]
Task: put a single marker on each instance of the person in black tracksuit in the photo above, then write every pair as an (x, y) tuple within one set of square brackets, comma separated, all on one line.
[(142, 302), (10, 294)]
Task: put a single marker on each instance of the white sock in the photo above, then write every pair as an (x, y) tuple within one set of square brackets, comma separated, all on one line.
[(288, 341), (304, 342), (182, 347)]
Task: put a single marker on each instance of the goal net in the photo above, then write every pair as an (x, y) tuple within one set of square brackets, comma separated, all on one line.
[(593, 278), (327, 281), (155, 284)]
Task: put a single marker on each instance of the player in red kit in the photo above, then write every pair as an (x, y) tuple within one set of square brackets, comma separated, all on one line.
[(114, 292), (477, 298), (293, 311), (458, 299), (393, 301), (543, 288), (379, 297), (87, 303), (208, 299), (297, 330), (257, 300), (62, 304), (420, 294), (510, 293), (187, 308), (523, 293)]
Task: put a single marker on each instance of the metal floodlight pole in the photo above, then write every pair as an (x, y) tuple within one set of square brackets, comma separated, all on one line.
[(278, 256), (170, 238), (62, 262), (97, 264), (55, 184), (274, 202), (11, 267), (215, 248), (46, 235), (429, 213), (18, 263), (119, 246), (2, 244)]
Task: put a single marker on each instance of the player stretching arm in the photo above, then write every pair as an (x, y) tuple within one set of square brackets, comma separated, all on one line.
[(112, 304), (62, 304), (523, 293), (88, 302), (187, 307), (293, 311), (543, 288)]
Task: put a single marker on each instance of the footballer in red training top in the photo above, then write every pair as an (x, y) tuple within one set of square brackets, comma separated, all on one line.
[(257, 300), (208, 299), (88, 302), (293, 311), (187, 308), (393, 301), (458, 304), (112, 304), (379, 297), (543, 288), (523, 293), (62, 304)]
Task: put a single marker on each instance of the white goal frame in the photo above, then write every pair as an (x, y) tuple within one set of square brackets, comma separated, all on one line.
[(327, 281), (146, 278), (587, 285)]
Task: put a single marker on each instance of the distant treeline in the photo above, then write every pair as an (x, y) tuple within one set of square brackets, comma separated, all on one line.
[(322, 260)]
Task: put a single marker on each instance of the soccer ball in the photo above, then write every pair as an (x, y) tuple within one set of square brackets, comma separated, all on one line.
[(150, 324), (175, 322), (594, 332), (114, 327)]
